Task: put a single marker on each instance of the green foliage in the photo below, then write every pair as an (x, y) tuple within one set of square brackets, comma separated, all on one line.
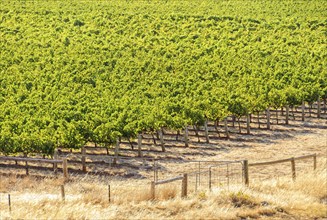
[(74, 72)]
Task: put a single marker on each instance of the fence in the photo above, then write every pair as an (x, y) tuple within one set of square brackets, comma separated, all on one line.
[(184, 185), (110, 160), (210, 175), (221, 173), (38, 160), (292, 160), (204, 174), (214, 173), (226, 173)]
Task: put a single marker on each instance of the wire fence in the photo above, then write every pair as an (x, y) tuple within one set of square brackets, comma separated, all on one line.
[(204, 175)]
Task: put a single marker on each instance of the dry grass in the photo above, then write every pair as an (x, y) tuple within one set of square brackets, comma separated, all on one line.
[(87, 198)]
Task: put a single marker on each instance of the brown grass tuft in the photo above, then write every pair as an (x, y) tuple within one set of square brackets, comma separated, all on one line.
[(166, 192), (256, 213), (240, 199)]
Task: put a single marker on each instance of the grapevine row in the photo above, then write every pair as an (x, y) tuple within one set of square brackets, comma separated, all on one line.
[(77, 72)]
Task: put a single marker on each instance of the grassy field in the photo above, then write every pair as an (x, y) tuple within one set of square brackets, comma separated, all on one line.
[(86, 198), (37, 197)]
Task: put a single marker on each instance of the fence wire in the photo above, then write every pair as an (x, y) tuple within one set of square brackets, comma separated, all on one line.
[(204, 175)]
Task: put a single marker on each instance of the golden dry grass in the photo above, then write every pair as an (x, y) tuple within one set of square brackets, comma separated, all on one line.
[(87, 198)]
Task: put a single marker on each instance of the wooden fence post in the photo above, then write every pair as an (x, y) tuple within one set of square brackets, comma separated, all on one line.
[(226, 127), (293, 169), (55, 157), (302, 109), (26, 167), (83, 159), (186, 136), (268, 118), (62, 192), (246, 172), (116, 151), (259, 120), (162, 143), (139, 144), (152, 190), (184, 186), (248, 123), (110, 162), (65, 168), (206, 130), (156, 169), (26, 164), (287, 114), (9, 202), (315, 162), (319, 110)]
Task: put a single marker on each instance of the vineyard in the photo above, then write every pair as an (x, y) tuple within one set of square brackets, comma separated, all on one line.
[(80, 72)]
